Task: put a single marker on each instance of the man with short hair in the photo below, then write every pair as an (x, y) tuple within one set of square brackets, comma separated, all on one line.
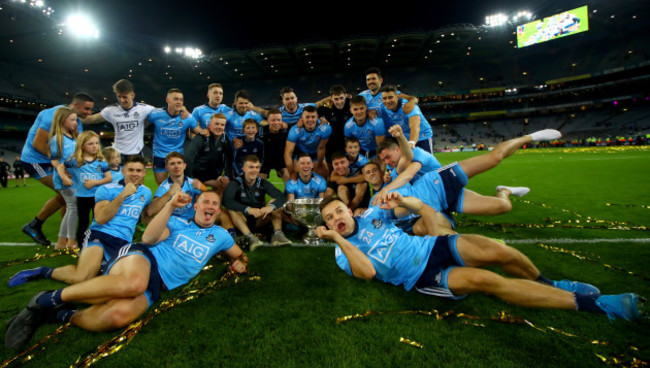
[(203, 114), (414, 124), (235, 118), (176, 182), (404, 164), (311, 138), (170, 130), (245, 199), (373, 94), (370, 132), (336, 114), (350, 188), (135, 279), (412, 170), (118, 207), (210, 158), (308, 184), (274, 141), (371, 246), (37, 163), (128, 119)]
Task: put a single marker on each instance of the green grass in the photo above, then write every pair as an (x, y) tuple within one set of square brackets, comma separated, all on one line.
[(288, 317)]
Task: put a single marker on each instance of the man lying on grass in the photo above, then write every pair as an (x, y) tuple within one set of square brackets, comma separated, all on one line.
[(371, 246), (135, 279)]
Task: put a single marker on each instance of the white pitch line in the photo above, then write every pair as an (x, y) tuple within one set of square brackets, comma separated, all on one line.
[(17, 244), (576, 241)]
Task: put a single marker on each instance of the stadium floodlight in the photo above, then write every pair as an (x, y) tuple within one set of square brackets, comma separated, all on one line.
[(496, 20), (82, 26), (167, 49), (522, 16)]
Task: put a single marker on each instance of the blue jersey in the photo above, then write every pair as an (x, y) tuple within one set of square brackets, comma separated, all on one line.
[(356, 166), (406, 222), (116, 175), (43, 121), (203, 113), (402, 119), (186, 212), (291, 118), (69, 145), (428, 161), (187, 249), (169, 131), (235, 123), (397, 257), (89, 170), (122, 225), (311, 189), (308, 141), (254, 147), (366, 133)]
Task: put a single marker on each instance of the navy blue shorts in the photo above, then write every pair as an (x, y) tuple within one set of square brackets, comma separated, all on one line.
[(443, 258), (38, 170), (454, 181), (155, 285), (426, 144), (109, 243), (159, 164)]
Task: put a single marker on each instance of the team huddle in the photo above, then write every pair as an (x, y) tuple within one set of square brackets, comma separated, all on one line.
[(387, 202)]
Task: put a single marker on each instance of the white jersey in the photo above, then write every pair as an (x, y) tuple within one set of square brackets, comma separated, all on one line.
[(128, 125)]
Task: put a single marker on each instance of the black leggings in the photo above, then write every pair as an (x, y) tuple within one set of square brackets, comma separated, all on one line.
[(85, 205)]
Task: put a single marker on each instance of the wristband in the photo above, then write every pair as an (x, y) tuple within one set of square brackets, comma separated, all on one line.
[(412, 142)]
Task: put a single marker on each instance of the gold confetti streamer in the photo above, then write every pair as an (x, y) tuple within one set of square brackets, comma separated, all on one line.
[(30, 352), (38, 256), (594, 259), (189, 292), (503, 317), (412, 343)]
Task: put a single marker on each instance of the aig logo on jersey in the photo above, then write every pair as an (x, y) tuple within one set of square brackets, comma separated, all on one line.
[(171, 133), (128, 126), (193, 249), (130, 211)]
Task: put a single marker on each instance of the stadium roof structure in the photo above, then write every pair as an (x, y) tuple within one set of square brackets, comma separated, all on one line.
[(321, 44)]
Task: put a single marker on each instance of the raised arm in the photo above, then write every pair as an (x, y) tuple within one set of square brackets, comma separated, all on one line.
[(359, 263), (106, 210), (157, 230)]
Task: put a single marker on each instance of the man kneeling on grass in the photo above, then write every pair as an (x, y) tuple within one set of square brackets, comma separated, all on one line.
[(371, 246), (135, 279)]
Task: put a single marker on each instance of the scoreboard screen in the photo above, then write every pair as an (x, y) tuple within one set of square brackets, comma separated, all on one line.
[(556, 26)]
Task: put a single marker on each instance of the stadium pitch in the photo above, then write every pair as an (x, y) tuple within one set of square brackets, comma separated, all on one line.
[(586, 219)]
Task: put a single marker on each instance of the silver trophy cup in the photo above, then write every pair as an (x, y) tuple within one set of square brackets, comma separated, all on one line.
[(306, 212)]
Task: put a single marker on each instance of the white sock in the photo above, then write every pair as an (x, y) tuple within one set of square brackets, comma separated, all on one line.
[(546, 135), (515, 191)]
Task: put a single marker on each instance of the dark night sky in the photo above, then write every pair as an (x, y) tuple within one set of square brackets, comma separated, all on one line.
[(244, 25)]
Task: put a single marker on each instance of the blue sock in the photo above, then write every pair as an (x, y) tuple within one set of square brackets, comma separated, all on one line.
[(50, 299), (46, 272), (587, 302), (64, 315), (544, 280)]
